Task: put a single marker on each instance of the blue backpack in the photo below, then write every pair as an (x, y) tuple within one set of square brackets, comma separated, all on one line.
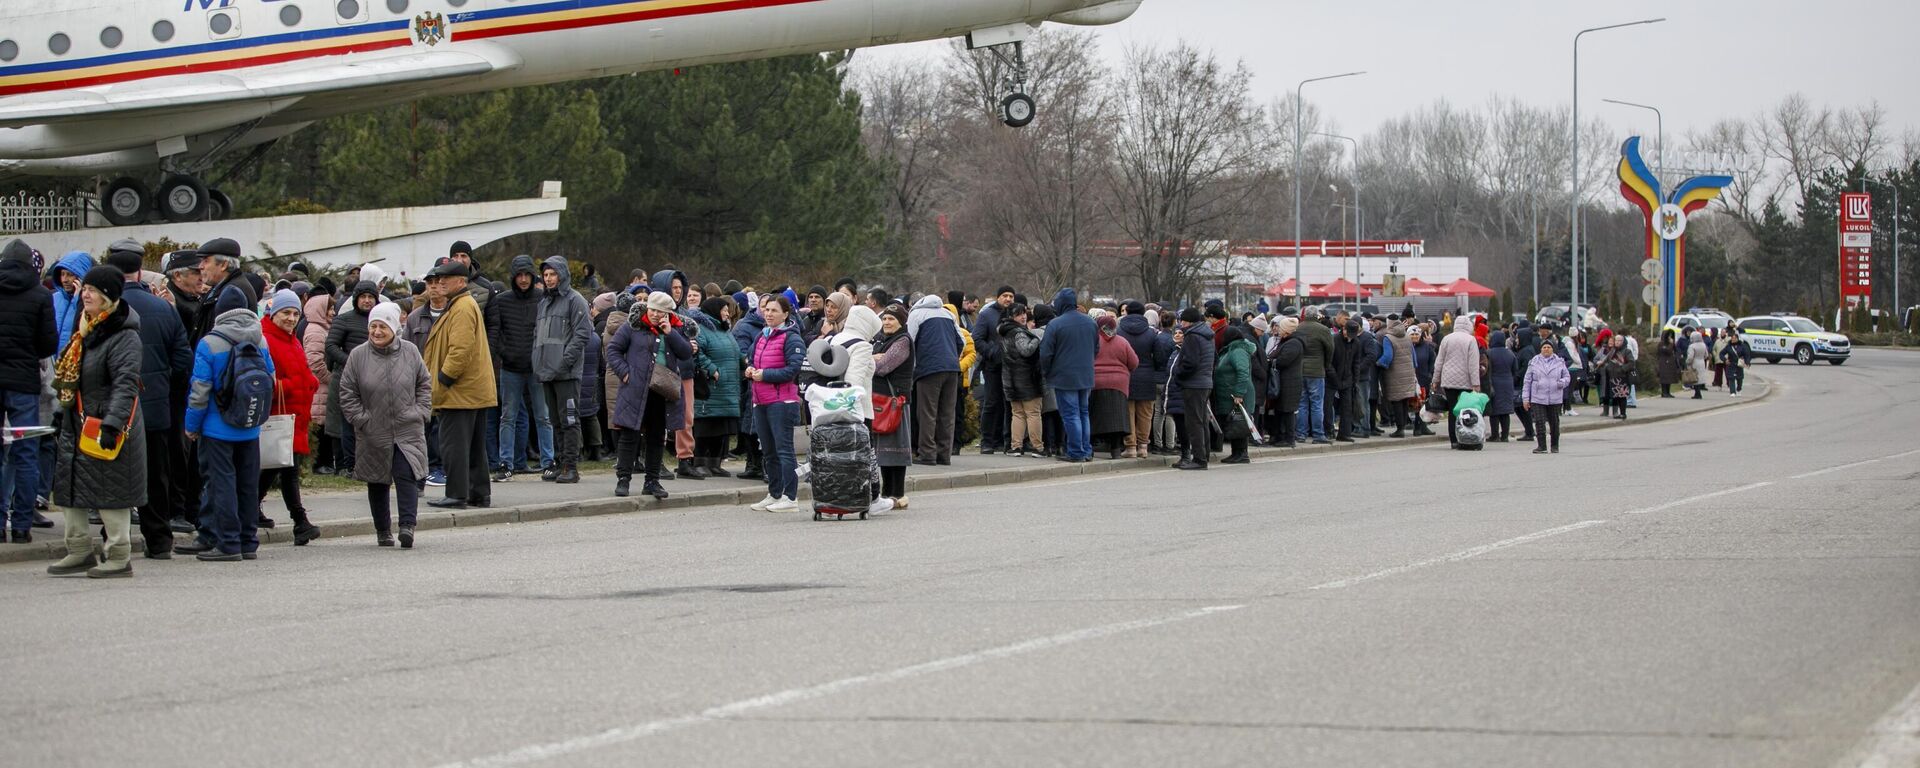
[(245, 392)]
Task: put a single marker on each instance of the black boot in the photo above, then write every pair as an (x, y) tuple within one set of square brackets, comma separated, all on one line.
[(715, 470), (689, 471), (752, 472), (570, 474), (623, 486), (304, 530)]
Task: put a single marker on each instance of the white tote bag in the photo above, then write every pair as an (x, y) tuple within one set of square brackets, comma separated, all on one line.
[(276, 442)]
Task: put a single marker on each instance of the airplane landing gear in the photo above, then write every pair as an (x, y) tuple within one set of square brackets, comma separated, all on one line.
[(1017, 109), (180, 198)]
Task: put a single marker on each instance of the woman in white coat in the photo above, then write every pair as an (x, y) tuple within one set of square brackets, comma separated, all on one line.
[(854, 339), (1697, 354)]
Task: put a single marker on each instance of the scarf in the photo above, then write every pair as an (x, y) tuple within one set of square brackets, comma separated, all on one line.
[(66, 371)]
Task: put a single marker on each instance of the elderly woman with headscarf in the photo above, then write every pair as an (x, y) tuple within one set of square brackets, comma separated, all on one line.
[(386, 395), (100, 467), (1113, 363), (893, 378), (313, 340), (1456, 369)]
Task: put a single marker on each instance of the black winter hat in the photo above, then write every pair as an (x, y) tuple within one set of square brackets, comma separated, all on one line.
[(1190, 315), (221, 246), (18, 250), (1136, 308), (109, 281), (127, 262), (460, 246)]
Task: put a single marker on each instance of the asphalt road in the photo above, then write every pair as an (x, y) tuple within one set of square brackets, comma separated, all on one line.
[(1738, 588)]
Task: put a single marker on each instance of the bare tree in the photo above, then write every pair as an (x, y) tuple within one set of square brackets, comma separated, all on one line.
[(1795, 130), (1856, 137), (1190, 148), (905, 115)]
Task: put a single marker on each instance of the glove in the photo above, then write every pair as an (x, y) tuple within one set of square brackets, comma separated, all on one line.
[(109, 436), (445, 380)]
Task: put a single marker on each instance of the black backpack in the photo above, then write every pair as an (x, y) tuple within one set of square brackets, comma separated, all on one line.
[(245, 392)]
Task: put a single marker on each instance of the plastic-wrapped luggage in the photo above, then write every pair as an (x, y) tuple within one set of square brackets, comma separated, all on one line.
[(843, 471)]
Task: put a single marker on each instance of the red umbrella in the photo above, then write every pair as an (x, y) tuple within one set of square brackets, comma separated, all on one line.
[(1465, 287), (1337, 288), (1417, 287), (1283, 289)]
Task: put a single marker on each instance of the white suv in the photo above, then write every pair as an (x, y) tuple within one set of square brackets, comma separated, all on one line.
[(1777, 337)]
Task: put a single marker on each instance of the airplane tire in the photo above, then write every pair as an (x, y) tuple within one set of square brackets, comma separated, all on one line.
[(125, 202), (182, 198), (1017, 110), (219, 206)]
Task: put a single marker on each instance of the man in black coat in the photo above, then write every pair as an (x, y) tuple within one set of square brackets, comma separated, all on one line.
[(166, 367), (1193, 376), (1366, 376), (26, 312), (995, 418), (220, 268), (1344, 378), (513, 317)]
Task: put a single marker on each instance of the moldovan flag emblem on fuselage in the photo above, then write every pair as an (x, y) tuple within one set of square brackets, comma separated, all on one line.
[(430, 28)]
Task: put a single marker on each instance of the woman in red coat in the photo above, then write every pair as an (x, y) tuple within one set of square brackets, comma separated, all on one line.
[(296, 386)]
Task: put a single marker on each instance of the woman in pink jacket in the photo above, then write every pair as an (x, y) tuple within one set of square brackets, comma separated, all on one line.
[(1545, 384), (319, 314)]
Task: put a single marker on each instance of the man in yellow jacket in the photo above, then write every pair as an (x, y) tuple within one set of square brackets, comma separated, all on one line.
[(463, 389)]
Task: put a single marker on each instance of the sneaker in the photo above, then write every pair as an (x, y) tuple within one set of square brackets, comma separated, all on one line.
[(41, 521), (503, 475), (763, 504), (265, 522), (324, 469), (551, 473), (784, 505), (1573, 413), (1538, 451), (195, 547), (216, 556), (22, 537), (623, 487), (180, 525), (437, 479)]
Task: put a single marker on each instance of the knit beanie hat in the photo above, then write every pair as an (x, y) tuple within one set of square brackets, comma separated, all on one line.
[(386, 314), (109, 281), (284, 298), (1190, 315)]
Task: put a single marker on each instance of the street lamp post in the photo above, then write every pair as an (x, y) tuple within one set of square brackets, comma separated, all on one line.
[(1573, 205), (1660, 126), (1356, 205), (1299, 101)]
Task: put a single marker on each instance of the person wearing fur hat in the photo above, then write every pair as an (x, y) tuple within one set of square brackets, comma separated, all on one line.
[(26, 309), (98, 377), (387, 394)]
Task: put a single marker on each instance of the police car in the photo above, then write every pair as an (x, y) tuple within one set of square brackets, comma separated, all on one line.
[(1710, 321), (1780, 336)]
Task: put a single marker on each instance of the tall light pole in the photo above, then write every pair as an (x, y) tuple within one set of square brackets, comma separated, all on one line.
[(1299, 102), (1573, 205), (1356, 204), (1660, 126)]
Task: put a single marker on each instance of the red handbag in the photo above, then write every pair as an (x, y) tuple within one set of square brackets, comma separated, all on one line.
[(888, 410)]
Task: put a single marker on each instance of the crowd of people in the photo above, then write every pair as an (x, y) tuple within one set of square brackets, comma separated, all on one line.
[(180, 398)]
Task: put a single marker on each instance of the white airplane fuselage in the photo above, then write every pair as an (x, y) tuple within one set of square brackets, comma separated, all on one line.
[(90, 86)]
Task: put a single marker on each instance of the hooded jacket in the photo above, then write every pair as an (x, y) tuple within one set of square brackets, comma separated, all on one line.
[(1020, 362), (233, 292), (1284, 381), (1193, 368), (1233, 376), (512, 317), (1399, 381), (662, 282), (349, 329), (936, 338), (313, 340), (1153, 350), (109, 386), (166, 359), (210, 368), (565, 329), (720, 361), (66, 306), (1069, 346), (26, 311), (1501, 379), (1457, 364), (635, 348), (1317, 349), (856, 337)]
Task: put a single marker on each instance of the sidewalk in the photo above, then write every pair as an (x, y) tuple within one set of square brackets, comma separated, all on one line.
[(528, 499)]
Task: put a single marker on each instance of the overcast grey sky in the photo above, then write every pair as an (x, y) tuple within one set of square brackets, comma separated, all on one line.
[(1710, 59)]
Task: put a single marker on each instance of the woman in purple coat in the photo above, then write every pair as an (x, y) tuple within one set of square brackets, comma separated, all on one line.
[(1546, 384), (650, 338)]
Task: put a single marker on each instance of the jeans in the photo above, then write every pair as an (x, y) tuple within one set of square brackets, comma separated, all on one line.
[(230, 502), (490, 425), (775, 422), (22, 459), (520, 396), (1075, 420), (409, 488), (563, 407), (1310, 420), (1164, 436)]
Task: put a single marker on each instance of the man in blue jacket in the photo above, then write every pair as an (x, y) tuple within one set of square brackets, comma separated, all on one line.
[(229, 455), (166, 363), (936, 379), (1066, 360), (995, 418)]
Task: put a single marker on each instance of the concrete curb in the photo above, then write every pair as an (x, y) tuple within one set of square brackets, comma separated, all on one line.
[(1051, 470)]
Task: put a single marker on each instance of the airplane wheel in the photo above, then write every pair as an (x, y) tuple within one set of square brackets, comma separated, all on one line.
[(219, 206), (125, 202), (1017, 110), (182, 198)]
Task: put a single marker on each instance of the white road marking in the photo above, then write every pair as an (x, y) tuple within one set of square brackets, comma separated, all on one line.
[(1701, 497), (1893, 741), (1818, 472), (1461, 555), (540, 752)]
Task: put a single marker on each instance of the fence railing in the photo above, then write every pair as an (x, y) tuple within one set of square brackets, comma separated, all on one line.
[(26, 213)]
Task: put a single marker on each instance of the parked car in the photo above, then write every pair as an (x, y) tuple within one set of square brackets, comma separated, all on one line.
[(1779, 336)]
